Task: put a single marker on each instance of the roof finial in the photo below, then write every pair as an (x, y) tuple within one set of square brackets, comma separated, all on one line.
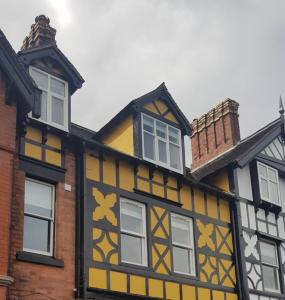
[(281, 106)]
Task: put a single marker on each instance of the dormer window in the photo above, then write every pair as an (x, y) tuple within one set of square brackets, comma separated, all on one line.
[(54, 105), (161, 143), (268, 184)]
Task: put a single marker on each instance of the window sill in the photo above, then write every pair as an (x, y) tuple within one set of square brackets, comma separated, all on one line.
[(39, 259)]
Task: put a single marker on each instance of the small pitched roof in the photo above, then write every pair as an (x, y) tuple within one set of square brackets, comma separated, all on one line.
[(160, 92), (51, 50), (15, 71), (243, 152)]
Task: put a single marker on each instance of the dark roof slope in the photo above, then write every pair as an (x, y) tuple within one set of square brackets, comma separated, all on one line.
[(243, 152), (16, 72)]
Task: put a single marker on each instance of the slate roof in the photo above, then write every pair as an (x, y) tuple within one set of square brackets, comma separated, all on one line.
[(243, 152)]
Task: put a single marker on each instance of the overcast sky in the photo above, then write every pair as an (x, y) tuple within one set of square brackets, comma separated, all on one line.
[(205, 52)]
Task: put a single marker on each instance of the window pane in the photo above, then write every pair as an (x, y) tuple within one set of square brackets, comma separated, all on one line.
[(148, 124), (173, 135), (57, 87), (181, 260), (38, 199), (36, 234), (149, 146), (162, 151), (40, 79), (270, 277), (268, 253), (44, 106), (174, 157), (272, 175), (131, 217), (274, 195), (180, 231), (131, 249), (264, 189), (160, 129), (57, 110), (262, 170)]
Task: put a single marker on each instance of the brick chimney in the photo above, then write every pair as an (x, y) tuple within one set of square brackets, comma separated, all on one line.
[(215, 132), (41, 34)]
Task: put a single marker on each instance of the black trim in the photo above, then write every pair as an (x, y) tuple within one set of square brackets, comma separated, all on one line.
[(39, 259), (41, 170)]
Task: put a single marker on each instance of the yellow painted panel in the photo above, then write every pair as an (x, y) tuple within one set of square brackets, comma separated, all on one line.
[(126, 176), (172, 195), (161, 106), (121, 138), (221, 180), (185, 196), (231, 296), (188, 292), (53, 158), (212, 206), (33, 151), (172, 182), (92, 167), (109, 171), (158, 177), (204, 294), (170, 116), (53, 141), (118, 282), (97, 278), (137, 285), (199, 202), (155, 288), (218, 295), (158, 190), (143, 185), (143, 171), (172, 290), (225, 211), (150, 107), (34, 134)]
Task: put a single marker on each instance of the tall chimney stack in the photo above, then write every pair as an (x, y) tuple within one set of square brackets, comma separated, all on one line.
[(41, 34), (215, 132)]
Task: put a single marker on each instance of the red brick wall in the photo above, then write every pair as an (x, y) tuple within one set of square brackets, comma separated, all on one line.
[(7, 149), (40, 281)]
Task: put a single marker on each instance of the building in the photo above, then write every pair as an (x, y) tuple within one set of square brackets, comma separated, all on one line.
[(255, 171)]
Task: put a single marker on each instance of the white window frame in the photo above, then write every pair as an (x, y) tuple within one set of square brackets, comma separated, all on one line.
[(190, 248), (156, 139), (51, 220), (276, 267), (136, 234), (267, 179), (49, 101)]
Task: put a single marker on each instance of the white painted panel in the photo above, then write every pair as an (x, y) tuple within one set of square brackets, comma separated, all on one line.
[(282, 192), (243, 211), (261, 214), (264, 298), (271, 218), (244, 183), (272, 229), (251, 215), (253, 297), (262, 226), (281, 229)]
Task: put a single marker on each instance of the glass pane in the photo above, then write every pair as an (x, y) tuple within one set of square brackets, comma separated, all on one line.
[(268, 253), (262, 170), (57, 110), (174, 152), (173, 135), (38, 199), (270, 278), (36, 234), (131, 249), (180, 231), (149, 146), (40, 79), (131, 217), (162, 151), (57, 87), (148, 124), (44, 106), (274, 195), (264, 189), (272, 175), (181, 260), (160, 129)]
